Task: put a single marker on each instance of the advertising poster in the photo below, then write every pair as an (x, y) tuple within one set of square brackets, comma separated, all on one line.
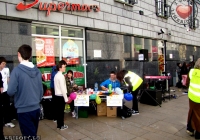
[(44, 52), (78, 74), (71, 53)]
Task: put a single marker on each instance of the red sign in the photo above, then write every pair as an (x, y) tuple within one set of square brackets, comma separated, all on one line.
[(58, 7), (78, 74), (45, 52), (154, 49)]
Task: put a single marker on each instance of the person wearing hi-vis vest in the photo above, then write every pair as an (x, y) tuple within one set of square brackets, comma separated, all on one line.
[(193, 122), (134, 82)]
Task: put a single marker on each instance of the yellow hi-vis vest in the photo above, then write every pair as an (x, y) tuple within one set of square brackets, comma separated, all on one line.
[(194, 88), (134, 79)]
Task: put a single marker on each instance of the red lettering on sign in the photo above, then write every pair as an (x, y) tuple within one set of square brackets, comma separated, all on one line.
[(78, 74), (58, 7), (21, 6)]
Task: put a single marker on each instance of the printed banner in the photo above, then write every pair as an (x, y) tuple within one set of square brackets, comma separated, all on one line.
[(161, 63), (78, 74), (45, 52), (154, 49), (114, 100), (81, 100), (71, 53)]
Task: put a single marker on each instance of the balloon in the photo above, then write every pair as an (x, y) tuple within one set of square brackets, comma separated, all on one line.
[(128, 96), (72, 96), (98, 100), (69, 100), (93, 96), (118, 91)]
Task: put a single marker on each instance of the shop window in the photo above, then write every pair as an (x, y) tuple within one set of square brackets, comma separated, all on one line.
[(162, 8), (69, 32), (127, 2), (52, 43), (138, 44), (147, 45), (45, 30), (154, 50), (127, 44)]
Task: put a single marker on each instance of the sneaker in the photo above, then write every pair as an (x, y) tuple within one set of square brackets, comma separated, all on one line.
[(10, 125), (190, 133), (54, 120), (73, 114), (135, 112), (64, 127)]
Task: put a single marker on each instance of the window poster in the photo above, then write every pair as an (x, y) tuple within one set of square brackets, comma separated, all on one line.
[(71, 53), (45, 52), (78, 74)]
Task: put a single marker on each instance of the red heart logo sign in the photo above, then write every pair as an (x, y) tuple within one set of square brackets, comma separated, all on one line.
[(184, 11)]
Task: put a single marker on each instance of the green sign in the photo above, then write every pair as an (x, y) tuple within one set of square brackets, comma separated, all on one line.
[(137, 47), (78, 74)]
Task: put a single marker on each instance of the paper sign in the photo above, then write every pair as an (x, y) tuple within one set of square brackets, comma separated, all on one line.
[(81, 100), (141, 57), (114, 100), (97, 53)]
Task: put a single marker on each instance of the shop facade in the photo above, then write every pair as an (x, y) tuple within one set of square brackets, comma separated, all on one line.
[(94, 37)]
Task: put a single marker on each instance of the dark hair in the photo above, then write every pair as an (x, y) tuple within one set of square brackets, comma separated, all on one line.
[(2, 59), (113, 72), (60, 63), (121, 74), (70, 71), (25, 51), (178, 64)]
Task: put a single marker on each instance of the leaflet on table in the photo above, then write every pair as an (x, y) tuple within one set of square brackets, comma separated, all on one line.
[(114, 100), (44, 52), (81, 100)]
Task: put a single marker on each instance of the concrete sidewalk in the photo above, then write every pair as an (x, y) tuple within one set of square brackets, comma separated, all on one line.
[(153, 123)]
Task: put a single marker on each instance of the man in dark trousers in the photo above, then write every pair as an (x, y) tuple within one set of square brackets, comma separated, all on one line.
[(26, 86), (1, 114)]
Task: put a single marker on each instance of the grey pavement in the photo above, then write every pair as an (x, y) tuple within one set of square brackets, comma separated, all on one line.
[(153, 123)]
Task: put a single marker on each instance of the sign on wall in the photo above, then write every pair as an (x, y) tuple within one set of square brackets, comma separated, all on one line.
[(182, 10), (51, 6)]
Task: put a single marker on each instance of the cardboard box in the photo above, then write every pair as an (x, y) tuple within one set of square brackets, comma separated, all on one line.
[(102, 109), (111, 111)]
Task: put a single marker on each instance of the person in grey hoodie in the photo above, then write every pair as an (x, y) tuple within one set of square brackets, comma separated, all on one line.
[(26, 86)]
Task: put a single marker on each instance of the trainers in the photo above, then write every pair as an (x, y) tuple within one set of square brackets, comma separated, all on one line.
[(190, 133), (64, 127), (135, 112), (73, 114), (10, 125), (54, 120)]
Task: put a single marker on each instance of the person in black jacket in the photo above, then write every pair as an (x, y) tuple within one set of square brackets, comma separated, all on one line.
[(1, 115)]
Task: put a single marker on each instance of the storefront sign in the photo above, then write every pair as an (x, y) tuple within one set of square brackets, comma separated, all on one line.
[(181, 11), (114, 100), (58, 7), (81, 100), (78, 74), (45, 52)]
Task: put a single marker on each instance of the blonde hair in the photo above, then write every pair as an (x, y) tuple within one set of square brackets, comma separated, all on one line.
[(197, 64)]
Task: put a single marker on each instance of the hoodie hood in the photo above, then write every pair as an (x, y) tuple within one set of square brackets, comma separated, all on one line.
[(31, 71)]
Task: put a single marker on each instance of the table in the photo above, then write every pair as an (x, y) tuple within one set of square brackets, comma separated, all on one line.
[(83, 100)]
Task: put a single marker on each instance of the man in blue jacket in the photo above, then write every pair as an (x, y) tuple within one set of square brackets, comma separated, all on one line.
[(26, 86), (53, 73), (112, 80)]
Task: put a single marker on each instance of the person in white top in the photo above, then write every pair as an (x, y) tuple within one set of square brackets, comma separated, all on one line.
[(60, 94), (5, 72)]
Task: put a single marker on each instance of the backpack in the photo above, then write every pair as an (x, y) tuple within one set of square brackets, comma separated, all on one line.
[(125, 112)]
